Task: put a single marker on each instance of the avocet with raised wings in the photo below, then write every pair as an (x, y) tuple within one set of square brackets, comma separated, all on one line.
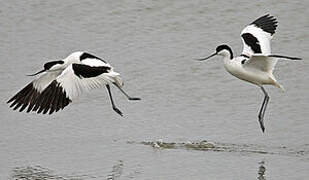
[(256, 63), (62, 81)]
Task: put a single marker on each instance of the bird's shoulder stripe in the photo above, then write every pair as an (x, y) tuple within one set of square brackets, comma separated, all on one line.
[(85, 71), (86, 55), (252, 42)]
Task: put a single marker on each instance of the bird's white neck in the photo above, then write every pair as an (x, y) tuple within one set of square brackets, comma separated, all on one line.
[(230, 65), (227, 61), (227, 57)]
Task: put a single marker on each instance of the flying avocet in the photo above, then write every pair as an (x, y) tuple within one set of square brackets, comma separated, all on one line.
[(63, 80), (256, 63)]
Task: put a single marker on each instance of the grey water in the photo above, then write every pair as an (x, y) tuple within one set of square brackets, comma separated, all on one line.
[(153, 45)]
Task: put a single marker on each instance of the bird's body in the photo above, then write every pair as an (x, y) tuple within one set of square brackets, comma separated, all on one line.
[(256, 63), (62, 81), (256, 76)]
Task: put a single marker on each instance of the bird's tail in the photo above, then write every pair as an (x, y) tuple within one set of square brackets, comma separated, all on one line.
[(116, 78), (280, 86), (275, 83)]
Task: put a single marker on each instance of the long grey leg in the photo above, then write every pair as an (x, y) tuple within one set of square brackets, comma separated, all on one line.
[(129, 97), (112, 101), (263, 109)]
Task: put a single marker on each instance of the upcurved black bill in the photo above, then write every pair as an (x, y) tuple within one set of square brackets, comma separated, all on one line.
[(37, 73), (207, 57)]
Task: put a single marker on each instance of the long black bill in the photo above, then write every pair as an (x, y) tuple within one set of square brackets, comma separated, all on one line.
[(37, 73), (203, 59)]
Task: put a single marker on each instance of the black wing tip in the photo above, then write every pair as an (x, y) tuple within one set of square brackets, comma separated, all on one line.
[(10, 100), (296, 58), (23, 97), (51, 100), (266, 17), (267, 22), (285, 57)]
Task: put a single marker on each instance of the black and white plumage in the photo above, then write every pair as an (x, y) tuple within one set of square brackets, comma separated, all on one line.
[(62, 81), (256, 36), (256, 63)]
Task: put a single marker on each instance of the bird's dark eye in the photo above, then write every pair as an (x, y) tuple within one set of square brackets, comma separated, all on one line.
[(243, 61)]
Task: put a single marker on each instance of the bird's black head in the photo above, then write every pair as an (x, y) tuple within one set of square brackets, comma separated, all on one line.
[(222, 50), (48, 66)]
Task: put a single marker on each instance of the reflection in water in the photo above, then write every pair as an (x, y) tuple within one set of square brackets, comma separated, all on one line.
[(261, 171), (223, 147), (39, 173), (116, 172)]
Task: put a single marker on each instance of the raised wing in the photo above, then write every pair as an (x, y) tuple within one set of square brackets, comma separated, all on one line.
[(256, 37), (73, 81), (29, 94), (260, 62)]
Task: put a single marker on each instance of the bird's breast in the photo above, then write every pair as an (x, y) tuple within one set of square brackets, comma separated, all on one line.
[(252, 76)]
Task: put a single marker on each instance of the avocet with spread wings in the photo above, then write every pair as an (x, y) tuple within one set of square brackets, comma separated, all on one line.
[(62, 81), (256, 63)]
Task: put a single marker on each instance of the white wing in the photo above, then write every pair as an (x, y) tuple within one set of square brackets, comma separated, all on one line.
[(77, 79), (260, 62), (45, 79), (29, 94), (73, 81), (256, 37)]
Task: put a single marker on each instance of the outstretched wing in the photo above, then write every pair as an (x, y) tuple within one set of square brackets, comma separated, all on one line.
[(73, 81), (260, 62), (256, 37), (29, 94)]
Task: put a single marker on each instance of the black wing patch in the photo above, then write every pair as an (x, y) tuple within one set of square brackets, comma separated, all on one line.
[(267, 23), (27, 96), (87, 55), (85, 71), (252, 41)]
